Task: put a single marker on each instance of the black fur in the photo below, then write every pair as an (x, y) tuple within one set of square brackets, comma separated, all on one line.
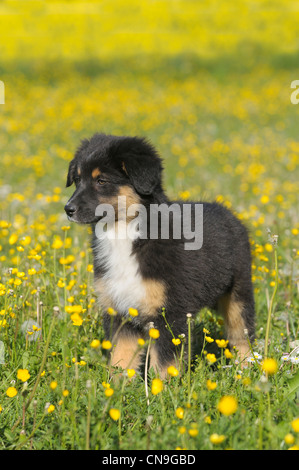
[(193, 279)]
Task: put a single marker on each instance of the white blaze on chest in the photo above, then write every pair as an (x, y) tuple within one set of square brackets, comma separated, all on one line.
[(122, 279)]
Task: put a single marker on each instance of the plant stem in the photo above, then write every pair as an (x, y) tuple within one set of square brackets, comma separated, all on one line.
[(271, 305), (189, 316)]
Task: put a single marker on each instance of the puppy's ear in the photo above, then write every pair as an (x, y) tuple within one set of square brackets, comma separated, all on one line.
[(73, 165), (71, 173), (143, 166)]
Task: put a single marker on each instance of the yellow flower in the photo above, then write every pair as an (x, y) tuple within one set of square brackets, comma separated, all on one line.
[(53, 385), (216, 438), (13, 239), (133, 312), (60, 283), (26, 240), (206, 331), (295, 424), (171, 370), (23, 375), (68, 260), (182, 429), (221, 343), (3, 323), (211, 358), (95, 343), (193, 432), (11, 392), (270, 366), (106, 344), (65, 393), (227, 405), (211, 385), (209, 339), (57, 243), (154, 333), (176, 341), (114, 414), (141, 342), (264, 199), (106, 384), (76, 319), (131, 372), (289, 439), (228, 354), (295, 447), (74, 308), (208, 419), (179, 412), (157, 386), (51, 408), (31, 271), (269, 247), (109, 392), (111, 311)]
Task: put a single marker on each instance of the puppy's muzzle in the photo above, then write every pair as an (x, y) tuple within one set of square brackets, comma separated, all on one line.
[(70, 209)]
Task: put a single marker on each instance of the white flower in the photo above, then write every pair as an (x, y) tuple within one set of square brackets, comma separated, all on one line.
[(257, 356), (295, 360), (250, 359)]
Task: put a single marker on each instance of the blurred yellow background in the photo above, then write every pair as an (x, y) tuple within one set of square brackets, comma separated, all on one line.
[(208, 82)]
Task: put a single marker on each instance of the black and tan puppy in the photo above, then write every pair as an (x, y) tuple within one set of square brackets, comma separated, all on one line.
[(147, 272)]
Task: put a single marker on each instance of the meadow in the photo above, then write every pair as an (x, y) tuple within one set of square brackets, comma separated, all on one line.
[(209, 84)]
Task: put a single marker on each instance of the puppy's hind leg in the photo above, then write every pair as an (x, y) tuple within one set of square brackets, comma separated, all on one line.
[(238, 312)]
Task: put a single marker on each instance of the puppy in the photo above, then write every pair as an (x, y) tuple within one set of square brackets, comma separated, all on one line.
[(151, 273)]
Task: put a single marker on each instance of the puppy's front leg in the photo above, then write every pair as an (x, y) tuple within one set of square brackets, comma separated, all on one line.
[(163, 353), (126, 352)]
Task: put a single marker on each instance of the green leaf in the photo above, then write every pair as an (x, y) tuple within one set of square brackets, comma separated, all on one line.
[(25, 360), (293, 386)]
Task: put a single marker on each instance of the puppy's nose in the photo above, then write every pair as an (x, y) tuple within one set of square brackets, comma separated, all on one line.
[(70, 209)]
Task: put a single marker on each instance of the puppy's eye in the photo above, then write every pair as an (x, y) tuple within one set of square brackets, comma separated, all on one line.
[(77, 180), (100, 181)]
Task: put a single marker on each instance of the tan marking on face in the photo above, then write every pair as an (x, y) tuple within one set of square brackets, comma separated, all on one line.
[(126, 352), (232, 309), (130, 195), (95, 173), (121, 206), (124, 167), (79, 171)]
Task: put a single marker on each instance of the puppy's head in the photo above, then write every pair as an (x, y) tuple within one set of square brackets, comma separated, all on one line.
[(105, 167)]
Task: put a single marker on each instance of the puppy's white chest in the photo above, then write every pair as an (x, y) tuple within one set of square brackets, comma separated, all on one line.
[(122, 281)]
